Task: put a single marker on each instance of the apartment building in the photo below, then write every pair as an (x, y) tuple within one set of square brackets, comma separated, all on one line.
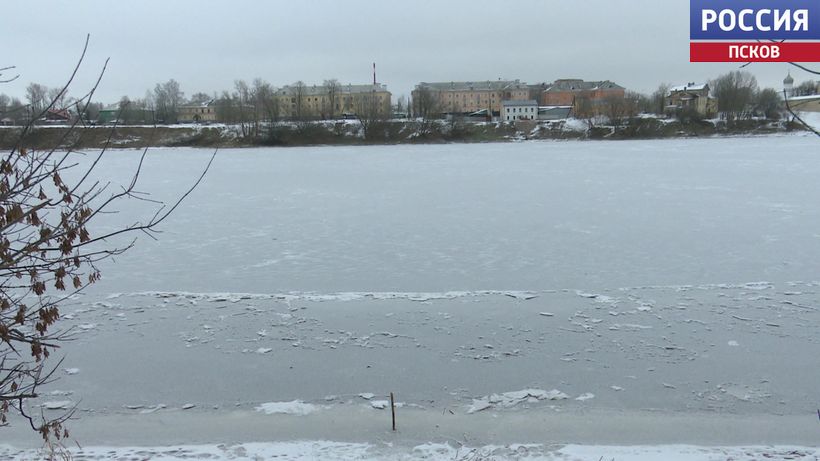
[(466, 97), (566, 92), (204, 112), (299, 101)]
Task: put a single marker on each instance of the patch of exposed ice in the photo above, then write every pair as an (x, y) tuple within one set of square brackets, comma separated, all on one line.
[(57, 405), (597, 297), (153, 409), (379, 404), (629, 326), (296, 408), (511, 399)]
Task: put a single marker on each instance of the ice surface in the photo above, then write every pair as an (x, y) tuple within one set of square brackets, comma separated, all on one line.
[(393, 268), (468, 218)]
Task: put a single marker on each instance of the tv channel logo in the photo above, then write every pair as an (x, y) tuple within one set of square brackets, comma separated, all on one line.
[(754, 30)]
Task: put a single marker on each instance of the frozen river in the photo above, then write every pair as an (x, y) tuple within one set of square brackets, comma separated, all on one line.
[(478, 217), (637, 278)]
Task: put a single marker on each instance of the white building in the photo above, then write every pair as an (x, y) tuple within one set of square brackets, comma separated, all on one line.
[(519, 110)]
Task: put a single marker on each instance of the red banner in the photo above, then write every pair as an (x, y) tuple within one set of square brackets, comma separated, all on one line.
[(754, 52)]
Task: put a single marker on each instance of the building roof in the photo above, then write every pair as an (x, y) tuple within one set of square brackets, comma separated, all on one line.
[(198, 105), (487, 85), (788, 80), (517, 103), (574, 84), (59, 113), (689, 87)]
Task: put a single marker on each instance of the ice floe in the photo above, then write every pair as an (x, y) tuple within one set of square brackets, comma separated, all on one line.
[(296, 408), (511, 399)]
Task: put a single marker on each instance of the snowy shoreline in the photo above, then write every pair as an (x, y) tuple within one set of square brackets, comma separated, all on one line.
[(334, 451)]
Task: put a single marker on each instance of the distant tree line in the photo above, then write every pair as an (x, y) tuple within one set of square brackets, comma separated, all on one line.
[(251, 105)]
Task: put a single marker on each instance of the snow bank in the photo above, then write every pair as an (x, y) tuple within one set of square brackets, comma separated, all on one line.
[(336, 451)]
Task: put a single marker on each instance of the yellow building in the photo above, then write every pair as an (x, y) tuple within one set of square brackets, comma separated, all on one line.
[(430, 99), (691, 97), (300, 101), (197, 113)]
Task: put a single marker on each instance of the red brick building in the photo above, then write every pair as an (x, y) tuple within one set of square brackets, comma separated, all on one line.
[(565, 92)]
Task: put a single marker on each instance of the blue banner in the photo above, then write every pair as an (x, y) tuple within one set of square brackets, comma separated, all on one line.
[(754, 20)]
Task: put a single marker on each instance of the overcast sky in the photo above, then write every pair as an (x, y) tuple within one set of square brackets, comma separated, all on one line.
[(206, 45)]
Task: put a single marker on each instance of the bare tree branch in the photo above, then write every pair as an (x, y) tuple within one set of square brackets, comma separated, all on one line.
[(48, 252)]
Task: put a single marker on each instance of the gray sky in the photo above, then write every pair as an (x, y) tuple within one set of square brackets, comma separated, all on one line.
[(206, 45)]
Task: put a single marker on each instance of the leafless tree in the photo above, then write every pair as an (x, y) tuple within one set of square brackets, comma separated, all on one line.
[(271, 105), (49, 252), (767, 103), (659, 99), (425, 103), (200, 98), (133, 111), (299, 93), (735, 92), (58, 97), (616, 109), (12, 109), (37, 96), (372, 112), (167, 99), (243, 99), (333, 107)]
